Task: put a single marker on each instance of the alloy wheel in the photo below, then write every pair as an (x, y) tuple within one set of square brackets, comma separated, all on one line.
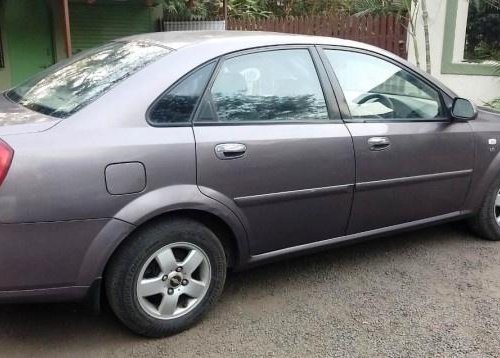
[(174, 280)]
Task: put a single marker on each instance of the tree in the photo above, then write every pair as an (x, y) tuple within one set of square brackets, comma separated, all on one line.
[(425, 19)]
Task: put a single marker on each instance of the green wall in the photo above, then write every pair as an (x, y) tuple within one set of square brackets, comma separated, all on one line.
[(33, 37), (28, 34), (96, 24), (4, 72)]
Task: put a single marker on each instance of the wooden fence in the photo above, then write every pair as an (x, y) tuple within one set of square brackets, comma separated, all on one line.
[(383, 31)]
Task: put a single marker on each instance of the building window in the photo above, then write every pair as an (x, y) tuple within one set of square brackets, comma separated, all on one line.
[(468, 49), (482, 42)]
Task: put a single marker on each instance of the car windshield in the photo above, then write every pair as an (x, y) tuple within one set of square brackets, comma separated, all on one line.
[(63, 90)]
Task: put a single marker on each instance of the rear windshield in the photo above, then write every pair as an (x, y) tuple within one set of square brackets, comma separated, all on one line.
[(63, 90)]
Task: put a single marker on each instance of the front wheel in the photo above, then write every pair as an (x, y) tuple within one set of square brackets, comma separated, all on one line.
[(486, 223), (165, 277)]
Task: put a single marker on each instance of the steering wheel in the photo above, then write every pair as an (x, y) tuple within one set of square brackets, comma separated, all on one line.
[(377, 97)]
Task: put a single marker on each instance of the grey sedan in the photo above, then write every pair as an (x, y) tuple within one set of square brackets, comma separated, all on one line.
[(140, 171)]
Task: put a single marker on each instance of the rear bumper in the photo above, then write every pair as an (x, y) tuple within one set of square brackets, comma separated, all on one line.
[(55, 261)]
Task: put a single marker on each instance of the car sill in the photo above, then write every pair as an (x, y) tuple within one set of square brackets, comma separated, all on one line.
[(316, 246)]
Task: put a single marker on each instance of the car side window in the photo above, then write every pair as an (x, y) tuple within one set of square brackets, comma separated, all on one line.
[(177, 105), (276, 85), (377, 89)]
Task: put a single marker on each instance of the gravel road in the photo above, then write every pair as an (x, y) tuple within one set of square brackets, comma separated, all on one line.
[(433, 292)]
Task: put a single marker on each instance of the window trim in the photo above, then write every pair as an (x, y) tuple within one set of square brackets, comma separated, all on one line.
[(445, 99), (334, 113), (172, 87)]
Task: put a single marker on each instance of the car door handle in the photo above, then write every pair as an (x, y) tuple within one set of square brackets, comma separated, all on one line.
[(230, 150), (379, 143)]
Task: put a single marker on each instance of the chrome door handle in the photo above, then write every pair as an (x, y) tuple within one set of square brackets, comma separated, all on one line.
[(230, 150), (379, 143)]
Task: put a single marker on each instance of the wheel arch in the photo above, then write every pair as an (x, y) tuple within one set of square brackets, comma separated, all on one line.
[(481, 183), (183, 201), (217, 225)]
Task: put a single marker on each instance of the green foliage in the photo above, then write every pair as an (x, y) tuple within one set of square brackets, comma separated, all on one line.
[(363, 7), (329, 7), (285, 8), (483, 29), (191, 9), (248, 9), (294, 8), (253, 9), (495, 103)]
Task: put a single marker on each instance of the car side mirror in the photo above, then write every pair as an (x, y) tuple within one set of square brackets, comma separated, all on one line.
[(463, 109)]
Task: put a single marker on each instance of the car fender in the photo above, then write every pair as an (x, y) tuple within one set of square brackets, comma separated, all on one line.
[(481, 182)]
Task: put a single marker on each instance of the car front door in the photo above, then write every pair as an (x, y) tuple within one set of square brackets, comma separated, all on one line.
[(270, 144), (412, 161)]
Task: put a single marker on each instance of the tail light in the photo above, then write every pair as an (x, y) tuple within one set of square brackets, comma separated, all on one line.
[(6, 155)]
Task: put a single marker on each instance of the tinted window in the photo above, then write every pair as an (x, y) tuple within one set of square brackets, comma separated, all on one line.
[(62, 90), (375, 88), (267, 86), (177, 105)]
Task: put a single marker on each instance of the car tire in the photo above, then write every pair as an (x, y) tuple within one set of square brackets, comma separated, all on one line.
[(484, 223), (134, 268)]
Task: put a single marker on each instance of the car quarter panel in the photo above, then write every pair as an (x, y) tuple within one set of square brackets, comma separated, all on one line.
[(66, 179), (54, 169)]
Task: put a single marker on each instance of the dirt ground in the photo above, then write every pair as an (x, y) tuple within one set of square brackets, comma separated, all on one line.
[(433, 292)]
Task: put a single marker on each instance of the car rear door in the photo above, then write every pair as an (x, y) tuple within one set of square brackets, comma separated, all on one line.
[(269, 143), (412, 161)]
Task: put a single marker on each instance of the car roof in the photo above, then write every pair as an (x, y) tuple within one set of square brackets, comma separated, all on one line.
[(219, 43), (239, 40)]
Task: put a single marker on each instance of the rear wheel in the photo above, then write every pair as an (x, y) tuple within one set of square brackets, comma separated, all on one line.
[(165, 277), (487, 221)]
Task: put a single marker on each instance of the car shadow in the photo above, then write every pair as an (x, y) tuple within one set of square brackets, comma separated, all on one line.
[(61, 328)]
